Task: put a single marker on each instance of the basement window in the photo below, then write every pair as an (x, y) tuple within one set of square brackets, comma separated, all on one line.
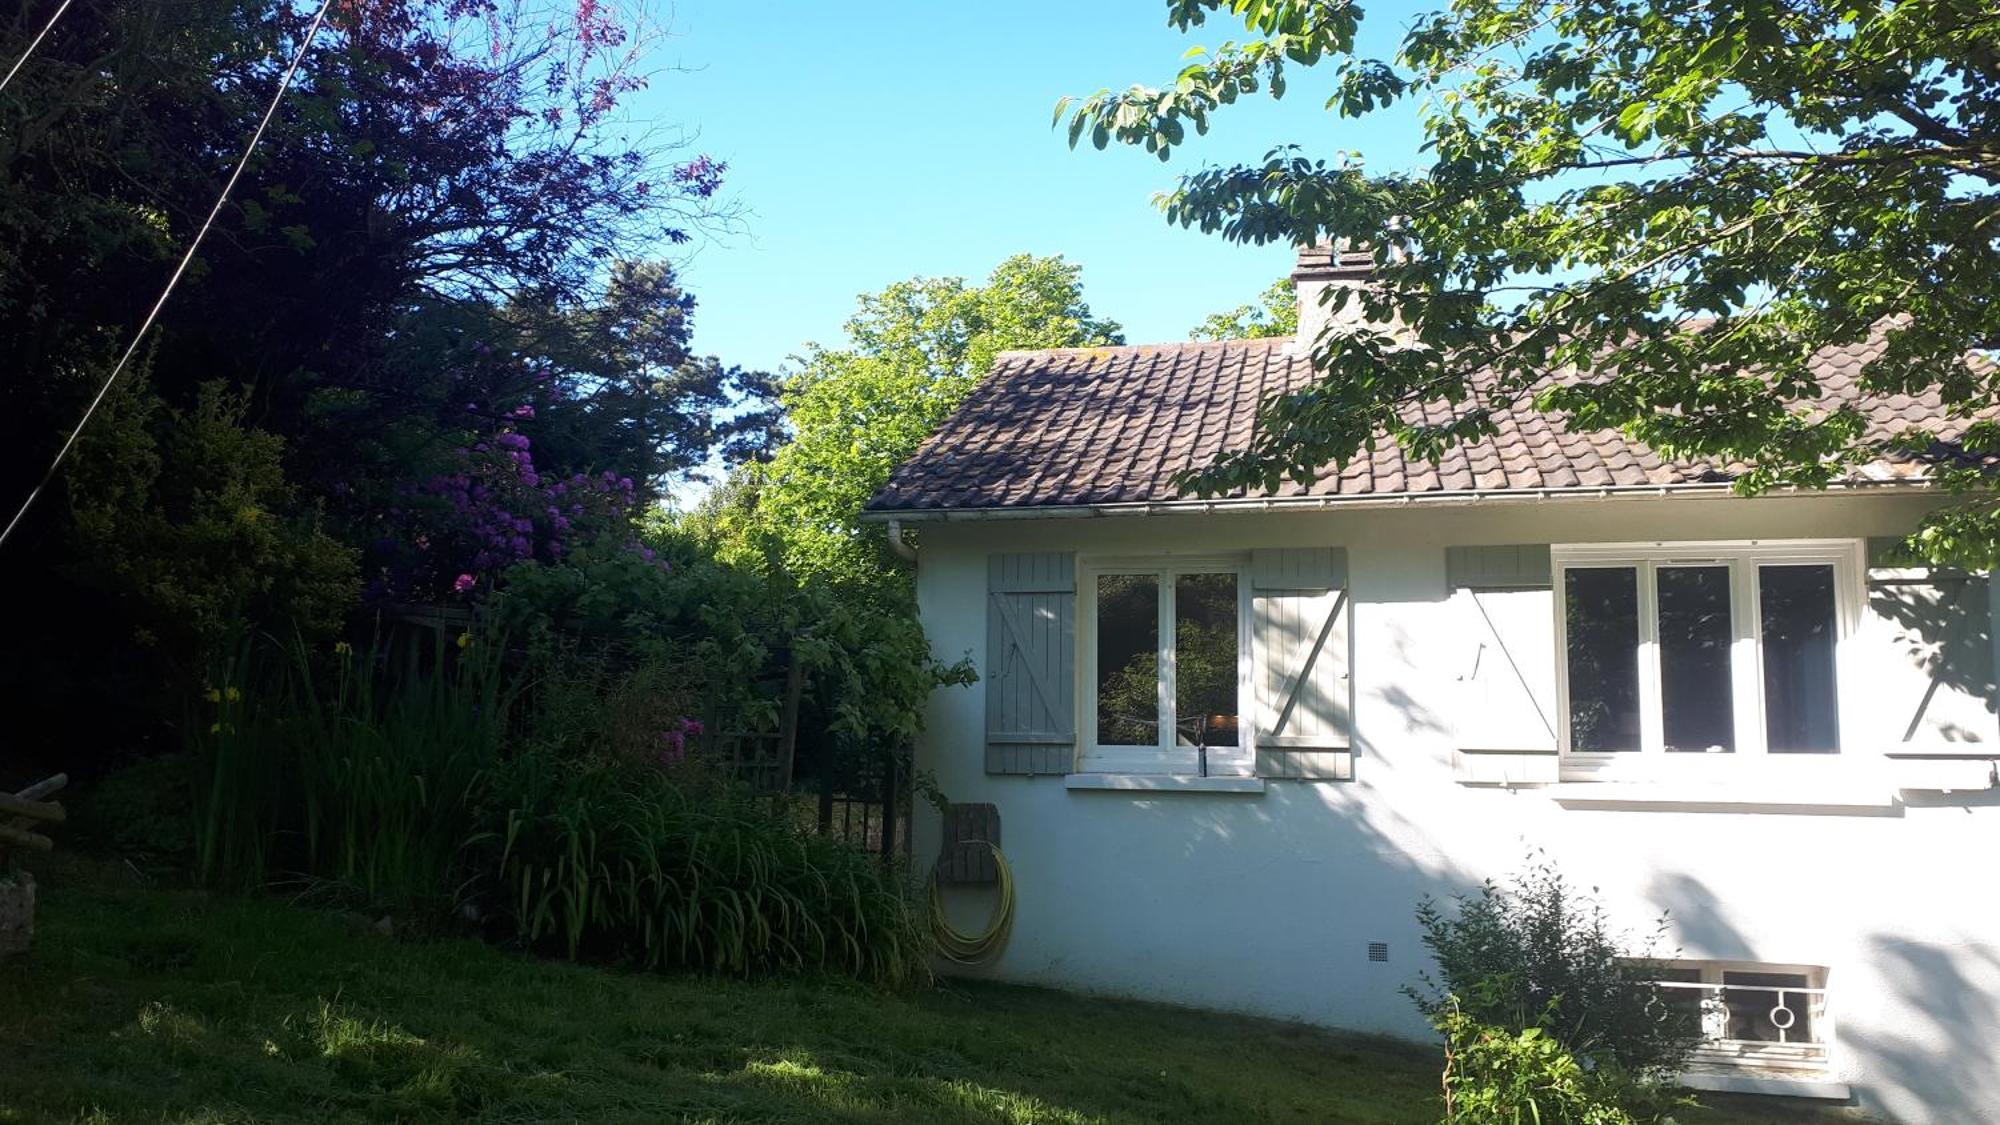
[(1753, 1017)]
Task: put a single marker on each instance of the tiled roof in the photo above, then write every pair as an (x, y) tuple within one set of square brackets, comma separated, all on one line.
[(1100, 426)]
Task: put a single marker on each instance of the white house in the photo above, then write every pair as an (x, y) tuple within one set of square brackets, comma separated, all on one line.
[(1230, 744)]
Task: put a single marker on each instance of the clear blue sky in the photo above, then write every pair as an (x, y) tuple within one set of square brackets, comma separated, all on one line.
[(873, 141)]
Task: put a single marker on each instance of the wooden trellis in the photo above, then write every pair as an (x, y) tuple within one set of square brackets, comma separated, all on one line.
[(763, 760)]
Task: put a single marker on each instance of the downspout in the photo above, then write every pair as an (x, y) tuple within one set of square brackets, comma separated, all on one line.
[(903, 550)]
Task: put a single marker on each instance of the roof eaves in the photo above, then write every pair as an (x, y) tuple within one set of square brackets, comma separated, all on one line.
[(1464, 497)]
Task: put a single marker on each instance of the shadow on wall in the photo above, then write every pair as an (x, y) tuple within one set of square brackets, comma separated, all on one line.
[(1418, 719), (1943, 624), (1698, 918), (1948, 994), (1300, 902)]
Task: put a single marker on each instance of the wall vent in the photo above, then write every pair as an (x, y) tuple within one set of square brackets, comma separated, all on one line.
[(1378, 951)]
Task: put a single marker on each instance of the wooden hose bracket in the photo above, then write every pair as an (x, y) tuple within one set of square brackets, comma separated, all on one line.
[(971, 856)]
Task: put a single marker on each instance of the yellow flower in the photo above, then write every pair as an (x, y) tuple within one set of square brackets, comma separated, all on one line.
[(342, 648), (212, 695), (215, 728), (465, 640)]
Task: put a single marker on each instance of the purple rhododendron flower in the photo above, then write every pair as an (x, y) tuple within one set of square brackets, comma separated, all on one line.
[(492, 510), (673, 740)]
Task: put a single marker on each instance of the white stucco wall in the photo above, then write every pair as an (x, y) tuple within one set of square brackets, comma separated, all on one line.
[(1266, 903)]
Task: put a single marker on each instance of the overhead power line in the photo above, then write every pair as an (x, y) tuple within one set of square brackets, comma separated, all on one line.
[(270, 111), (46, 28)]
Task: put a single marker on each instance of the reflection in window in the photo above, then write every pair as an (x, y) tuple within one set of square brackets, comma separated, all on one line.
[(1205, 679), (1601, 614), (1128, 653), (1801, 713), (1695, 697)]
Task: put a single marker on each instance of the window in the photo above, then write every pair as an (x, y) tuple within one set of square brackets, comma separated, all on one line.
[(1166, 667), (1752, 1016), (1798, 615), (1701, 651)]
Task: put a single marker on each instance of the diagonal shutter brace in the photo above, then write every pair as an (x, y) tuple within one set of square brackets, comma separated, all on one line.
[(1305, 669), (1018, 636), (1519, 676)]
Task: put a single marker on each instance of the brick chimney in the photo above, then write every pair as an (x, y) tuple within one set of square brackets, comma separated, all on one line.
[(1323, 267)]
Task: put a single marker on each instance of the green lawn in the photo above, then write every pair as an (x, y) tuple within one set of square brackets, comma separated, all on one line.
[(144, 1004)]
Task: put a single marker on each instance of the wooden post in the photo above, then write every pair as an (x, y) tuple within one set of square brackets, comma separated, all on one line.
[(889, 805), (22, 811), (18, 813), (825, 791), (22, 838), (788, 721), (31, 810), (44, 787)]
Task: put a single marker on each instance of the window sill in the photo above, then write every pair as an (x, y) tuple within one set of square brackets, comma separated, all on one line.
[(1163, 783), (1787, 1086), (1869, 798), (1945, 751)]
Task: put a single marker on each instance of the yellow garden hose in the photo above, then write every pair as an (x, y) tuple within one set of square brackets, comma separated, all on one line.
[(973, 949)]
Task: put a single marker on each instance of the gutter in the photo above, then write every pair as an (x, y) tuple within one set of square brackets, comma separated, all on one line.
[(895, 518)]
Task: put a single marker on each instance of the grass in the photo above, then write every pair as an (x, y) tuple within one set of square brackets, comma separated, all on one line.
[(142, 1004)]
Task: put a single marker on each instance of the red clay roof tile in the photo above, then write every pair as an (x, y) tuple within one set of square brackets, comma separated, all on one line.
[(1113, 425)]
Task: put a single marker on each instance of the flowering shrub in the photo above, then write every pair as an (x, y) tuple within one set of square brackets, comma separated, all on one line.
[(456, 531)]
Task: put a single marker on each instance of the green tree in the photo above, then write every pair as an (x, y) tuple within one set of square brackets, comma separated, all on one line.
[(1796, 174), (914, 351), (447, 236), (184, 519), (1276, 313)]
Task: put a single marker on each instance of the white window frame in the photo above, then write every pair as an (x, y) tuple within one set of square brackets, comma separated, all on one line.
[(1745, 559), (1717, 1051), (1164, 757)]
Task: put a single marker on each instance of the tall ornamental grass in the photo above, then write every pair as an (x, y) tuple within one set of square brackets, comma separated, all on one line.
[(619, 860), (422, 784), (357, 772)]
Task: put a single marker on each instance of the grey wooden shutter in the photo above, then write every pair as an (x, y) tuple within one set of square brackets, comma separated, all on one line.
[(1299, 615), (1031, 663), (1503, 602), (1928, 657)]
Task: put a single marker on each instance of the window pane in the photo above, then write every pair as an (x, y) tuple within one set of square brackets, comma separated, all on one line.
[(1205, 679), (1764, 1009), (1685, 1004), (1800, 705), (1695, 699), (1601, 607), (1128, 660)]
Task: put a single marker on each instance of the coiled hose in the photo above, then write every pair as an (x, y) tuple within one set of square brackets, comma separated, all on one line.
[(974, 949)]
